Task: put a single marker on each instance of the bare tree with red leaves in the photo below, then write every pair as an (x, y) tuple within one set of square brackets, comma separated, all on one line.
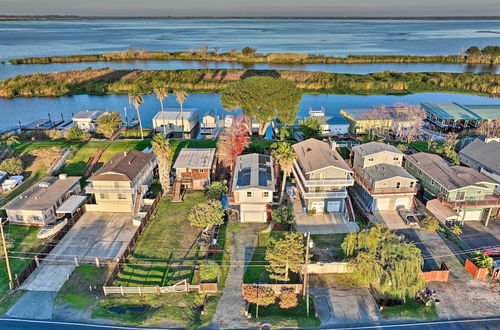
[(408, 121), (233, 140)]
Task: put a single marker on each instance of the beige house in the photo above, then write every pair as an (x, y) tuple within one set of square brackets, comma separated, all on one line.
[(177, 125), (37, 205), (121, 183), (322, 176), (252, 187), (382, 182)]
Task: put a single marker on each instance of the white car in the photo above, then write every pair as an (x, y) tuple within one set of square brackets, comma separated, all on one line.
[(12, 182)]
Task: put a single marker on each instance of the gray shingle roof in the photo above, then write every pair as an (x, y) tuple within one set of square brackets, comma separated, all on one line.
[(486, 154), (124, 166), (195, 158), (450, 177), (381, 172), (371, 148), (314, 155)]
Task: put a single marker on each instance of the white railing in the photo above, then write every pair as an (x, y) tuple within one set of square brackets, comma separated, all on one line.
[(325, 194), (108, 190), (348, 181)]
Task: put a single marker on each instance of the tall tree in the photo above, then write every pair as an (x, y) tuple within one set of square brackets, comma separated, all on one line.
[(284, 155), (206, 215), (181, 97), (136, 99), (108, 123), (407, 121), (161, 94), (263, 99), (384, 261), (163, 152), (285, 255), (233, 140), (311, 127), (489, 128), (9, 139)]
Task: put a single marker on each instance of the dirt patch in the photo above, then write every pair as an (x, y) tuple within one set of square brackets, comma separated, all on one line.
[(38, 159)]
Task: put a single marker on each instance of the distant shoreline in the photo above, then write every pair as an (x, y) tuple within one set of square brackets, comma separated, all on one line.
[(381, 18)]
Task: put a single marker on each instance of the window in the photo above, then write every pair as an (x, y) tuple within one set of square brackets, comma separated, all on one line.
[(19, 217), (398, 185), (433, 182), (249, 194), (122, 196), (103, 196), (370, 159), (201, 170), (412, 184), (396, 159), (265, 194), (460, 196)]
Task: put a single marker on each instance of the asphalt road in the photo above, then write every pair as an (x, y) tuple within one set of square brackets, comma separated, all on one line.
[(486, 324)]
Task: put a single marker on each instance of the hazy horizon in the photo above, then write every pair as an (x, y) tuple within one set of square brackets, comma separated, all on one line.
[(318, 8)]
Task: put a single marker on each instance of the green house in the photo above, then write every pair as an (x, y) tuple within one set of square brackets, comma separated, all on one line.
[(470, 194)]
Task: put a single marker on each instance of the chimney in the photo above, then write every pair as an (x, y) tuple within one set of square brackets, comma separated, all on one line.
[(63, 176)]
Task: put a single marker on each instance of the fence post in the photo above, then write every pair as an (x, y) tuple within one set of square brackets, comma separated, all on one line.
[(187, 285), (104, 289), (76, 261), (37, 261), (17, 279), (97, 261), (121, 290), (139, 289)]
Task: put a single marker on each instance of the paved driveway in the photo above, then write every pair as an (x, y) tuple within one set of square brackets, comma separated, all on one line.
[(103, 235), (337, 306), (476, 235), (391, 218)]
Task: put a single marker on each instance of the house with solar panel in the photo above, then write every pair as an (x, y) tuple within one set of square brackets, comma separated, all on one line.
[(451, 116), (252, 187)]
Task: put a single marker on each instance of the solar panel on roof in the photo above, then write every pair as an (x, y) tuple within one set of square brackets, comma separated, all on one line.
[(244, 177), (262, 178)]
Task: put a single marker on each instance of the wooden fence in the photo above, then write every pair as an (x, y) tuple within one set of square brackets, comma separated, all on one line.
[(277, 288), (35, 263), (476, 272), (329, 268), (436, 275), (123, 258), (182, 286)]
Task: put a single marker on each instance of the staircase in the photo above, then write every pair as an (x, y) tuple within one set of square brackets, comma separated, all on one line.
[(177, 198)]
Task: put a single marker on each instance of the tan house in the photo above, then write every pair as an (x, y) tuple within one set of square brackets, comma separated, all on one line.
[(37, 205), (177, 125), (194, 167), (121, 183), (252, 187), (382, 182), (322, 176)]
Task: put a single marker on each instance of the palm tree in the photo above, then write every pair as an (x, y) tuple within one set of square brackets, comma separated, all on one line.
[(284, 155), (136, 99), (161, 93), (180, 97), (162, 149)]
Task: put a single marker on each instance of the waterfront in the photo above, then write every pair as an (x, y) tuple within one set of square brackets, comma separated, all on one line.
[(29, 109)]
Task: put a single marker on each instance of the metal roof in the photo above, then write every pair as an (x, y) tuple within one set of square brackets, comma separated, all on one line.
[(71, 204), (455, 111), (195, 158), (90, 114)]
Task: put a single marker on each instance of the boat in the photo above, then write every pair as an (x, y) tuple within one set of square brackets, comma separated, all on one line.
[(12, 182), (52, 228)]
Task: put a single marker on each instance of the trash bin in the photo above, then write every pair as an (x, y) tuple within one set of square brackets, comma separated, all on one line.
[(436, 302)]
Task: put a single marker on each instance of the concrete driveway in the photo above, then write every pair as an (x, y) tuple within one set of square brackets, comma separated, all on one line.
[(324, 223), (338, 306), (391, 218), (102, 235), (478, 236)]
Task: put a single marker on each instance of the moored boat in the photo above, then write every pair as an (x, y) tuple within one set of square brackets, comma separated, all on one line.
[(52, 228)]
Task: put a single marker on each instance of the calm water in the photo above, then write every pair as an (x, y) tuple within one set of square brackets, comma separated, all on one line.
[(329, 37), (8, 70), (29, 109)]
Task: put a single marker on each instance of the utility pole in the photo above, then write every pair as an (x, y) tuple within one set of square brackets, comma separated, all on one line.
[(4, 243), (306, 274)]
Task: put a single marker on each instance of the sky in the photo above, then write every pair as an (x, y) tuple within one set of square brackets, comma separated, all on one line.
[(252, 7)]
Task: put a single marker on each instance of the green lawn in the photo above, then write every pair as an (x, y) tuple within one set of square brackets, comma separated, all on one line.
[(286, 318), (328, 240), (23, 239), (27, 146), (411, 309), (168, 237), (75, 292)]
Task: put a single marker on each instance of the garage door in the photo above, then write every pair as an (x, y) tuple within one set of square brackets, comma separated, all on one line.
[(472, 215), (402, 203), (253, 217), (383, 204), (318, 206), (333, 206)]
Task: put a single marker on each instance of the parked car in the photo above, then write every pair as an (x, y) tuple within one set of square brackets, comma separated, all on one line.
[(409, 218), (12, 182)]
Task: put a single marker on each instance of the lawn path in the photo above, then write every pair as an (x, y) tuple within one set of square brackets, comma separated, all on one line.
[(230, 309)]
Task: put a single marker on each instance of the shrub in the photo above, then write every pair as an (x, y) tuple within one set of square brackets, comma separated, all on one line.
[(248, 51), (210, 271), (430, 223), (311, 212), (283, 215), (481, 260), (54, 134), (76, 134), (216, 190), (456, 230), (13, 166), (288, 299)]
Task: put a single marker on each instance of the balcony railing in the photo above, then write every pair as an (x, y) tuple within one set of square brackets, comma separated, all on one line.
[(108, 190), (389, 190), (487, 201), (328, 182), (325, 194)]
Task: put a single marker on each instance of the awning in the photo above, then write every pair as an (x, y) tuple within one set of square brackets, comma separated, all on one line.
[(71, 204), (443, 213)]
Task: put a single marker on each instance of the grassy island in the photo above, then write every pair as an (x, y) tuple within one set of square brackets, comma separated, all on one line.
[(474, 55), (109, 81)]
